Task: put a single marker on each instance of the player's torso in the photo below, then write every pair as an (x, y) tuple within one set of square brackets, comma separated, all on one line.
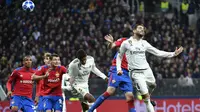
[(84, 70), (54, 78), (24, 85), (52, 84), (136, 53)]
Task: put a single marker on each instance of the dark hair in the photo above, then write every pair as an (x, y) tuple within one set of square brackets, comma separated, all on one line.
[(27, 56), (81, 54), (135, 27), (53, 55), (47, 54)]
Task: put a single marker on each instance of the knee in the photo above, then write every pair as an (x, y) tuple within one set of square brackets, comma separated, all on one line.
[(89, 98), (14, 109), (153, 85), (146, 96), (129, 97)]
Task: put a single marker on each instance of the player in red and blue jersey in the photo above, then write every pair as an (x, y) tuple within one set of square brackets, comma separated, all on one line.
[(39, 96), (21, 95), (52, 76), (123, 82)]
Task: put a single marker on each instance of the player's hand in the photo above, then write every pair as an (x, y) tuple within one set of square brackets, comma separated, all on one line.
[(178, 51), (47, 73), (109, 38), (106, 79), (36, 100), (119, 72), (9, 94)]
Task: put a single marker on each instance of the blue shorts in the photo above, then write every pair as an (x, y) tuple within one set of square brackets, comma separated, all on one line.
[(40, 106), (23, 103), (53, 102), (123, 82)]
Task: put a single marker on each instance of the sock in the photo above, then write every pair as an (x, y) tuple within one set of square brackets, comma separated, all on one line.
[(99, 101), (149, 105), (131, 106), (90, 105)]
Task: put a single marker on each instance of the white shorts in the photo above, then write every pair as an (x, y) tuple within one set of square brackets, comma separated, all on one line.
[(143, 78), (80, 90)]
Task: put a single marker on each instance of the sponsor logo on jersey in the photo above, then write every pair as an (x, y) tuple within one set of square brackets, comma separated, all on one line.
[(113, 81), (26, 81), (54, 80)]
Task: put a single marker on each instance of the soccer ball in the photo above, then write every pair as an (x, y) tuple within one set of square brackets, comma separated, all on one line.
[(28, 5)]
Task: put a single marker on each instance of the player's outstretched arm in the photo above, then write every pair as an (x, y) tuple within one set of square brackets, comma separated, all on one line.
[(161, 53), (99, 73)]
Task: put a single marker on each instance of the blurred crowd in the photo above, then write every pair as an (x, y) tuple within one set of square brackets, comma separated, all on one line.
[(64, 26)]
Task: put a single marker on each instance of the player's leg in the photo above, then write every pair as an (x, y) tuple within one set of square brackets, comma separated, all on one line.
[(151, 83), (127, 88), (58, 104), (140, 81), (15, 103), (48, 104), (112, 85), (28, 105)]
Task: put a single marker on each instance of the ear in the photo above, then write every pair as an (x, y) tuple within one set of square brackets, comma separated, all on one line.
[(134, 31)]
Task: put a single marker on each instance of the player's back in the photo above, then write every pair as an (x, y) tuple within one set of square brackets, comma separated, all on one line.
[(80, 72)]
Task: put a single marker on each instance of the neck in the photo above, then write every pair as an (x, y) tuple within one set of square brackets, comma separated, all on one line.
[(136, 37), (26, 67)]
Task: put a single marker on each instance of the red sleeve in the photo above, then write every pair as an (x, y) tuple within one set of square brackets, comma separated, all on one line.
[(12, 78), (40, 71), (64, 69), (119, 42)]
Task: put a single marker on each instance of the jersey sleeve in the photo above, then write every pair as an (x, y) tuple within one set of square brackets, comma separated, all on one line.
[(157, 52), (64, 70), (119, 42), (120, 55), (12, 78), (40, 71), (72, 69), (97, 71)]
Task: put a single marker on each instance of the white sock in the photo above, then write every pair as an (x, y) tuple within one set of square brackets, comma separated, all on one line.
[(90, 105), (149, 105)]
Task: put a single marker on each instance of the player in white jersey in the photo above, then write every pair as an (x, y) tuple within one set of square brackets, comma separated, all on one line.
[(79, 71), (140, 71)]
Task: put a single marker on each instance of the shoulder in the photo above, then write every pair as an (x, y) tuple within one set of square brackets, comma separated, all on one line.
[(18, 69), (42, 67), (74, 62), (90, 58), (62, 67)]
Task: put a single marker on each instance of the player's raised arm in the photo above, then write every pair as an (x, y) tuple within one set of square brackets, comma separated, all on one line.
[(161, 53), (113, 44), (120, 55), (40, 74)]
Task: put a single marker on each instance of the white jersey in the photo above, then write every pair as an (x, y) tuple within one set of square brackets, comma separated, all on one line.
[(80, 73), (135, 53)]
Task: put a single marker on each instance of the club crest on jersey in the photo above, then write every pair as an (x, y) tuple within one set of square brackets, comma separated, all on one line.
[(113, 81), (57, 74), (130, 42)]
